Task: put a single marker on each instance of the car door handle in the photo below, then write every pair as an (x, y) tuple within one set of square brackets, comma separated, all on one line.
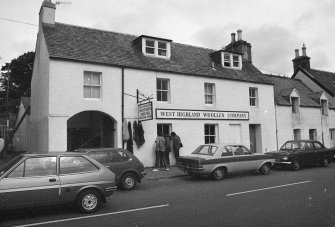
[(52, 180)]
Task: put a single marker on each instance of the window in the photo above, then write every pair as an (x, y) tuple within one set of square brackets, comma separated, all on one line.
[(101, 157), (92, 85), (33, 167), (157, 48), (253, 94), (75, 164), (318, 145), (163, 90), (296, 134), (209, 94), (231, 60), (164, 129), (119, 156), (324, 107), (226, 61), (295, 105), (332, 133), (210, 133), (312, 134), (205, 150)]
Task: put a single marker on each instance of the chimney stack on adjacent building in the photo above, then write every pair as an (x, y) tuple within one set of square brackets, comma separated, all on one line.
[(233, 37), (302, 61), (239, 34)]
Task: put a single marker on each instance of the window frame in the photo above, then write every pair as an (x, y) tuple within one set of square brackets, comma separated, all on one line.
[(161, 90), (295, 102), (156, 48), (253, 98), (207, 137), (228, 61), (213, 94), (312, 134), (99, 74), (324, 107)]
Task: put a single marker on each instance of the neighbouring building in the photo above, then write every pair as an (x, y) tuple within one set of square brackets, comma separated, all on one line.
[(89, 85), (322, 83)]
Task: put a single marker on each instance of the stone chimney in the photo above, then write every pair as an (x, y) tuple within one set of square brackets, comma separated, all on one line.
[(47, 13), (301, 61), (240, 46)]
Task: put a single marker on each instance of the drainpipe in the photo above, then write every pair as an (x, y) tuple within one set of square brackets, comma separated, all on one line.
[(276, 125), (122, 103), (323, 142)]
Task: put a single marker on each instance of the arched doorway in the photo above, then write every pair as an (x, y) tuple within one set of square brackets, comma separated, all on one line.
[(90, 129)]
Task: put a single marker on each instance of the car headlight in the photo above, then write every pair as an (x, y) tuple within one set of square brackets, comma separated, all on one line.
[(285, 158)]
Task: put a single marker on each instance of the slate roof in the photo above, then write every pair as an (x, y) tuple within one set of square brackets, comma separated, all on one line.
[(283, 87), (82, 44), (324, 79)]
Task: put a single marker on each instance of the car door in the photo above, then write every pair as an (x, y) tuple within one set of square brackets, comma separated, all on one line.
[(319, 152), (245, 160), (310, 154), (33, 182)]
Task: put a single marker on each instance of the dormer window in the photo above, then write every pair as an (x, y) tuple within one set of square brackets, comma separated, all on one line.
[(154, 47), (295, 105), (324, 107), (232, 60)]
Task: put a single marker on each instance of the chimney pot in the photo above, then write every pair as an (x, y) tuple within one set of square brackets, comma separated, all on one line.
[(296, 53), (304, 50), (233, 37), (239, 34)]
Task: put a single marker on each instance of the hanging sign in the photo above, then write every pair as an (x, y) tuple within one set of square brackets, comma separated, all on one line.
[(145, 111), (201, 114)]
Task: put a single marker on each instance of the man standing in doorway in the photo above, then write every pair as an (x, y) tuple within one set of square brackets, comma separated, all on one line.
[(176, 144)]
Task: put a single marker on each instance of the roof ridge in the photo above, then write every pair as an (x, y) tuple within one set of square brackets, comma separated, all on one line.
[(323, 71)]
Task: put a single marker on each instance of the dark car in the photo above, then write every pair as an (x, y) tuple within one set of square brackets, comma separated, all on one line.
[(47, 179), (127, 168), (216, 160), (298, 153)]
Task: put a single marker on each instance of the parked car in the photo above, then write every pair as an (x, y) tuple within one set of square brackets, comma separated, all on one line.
[(45, 179), (298, 153), (216, 160), (127, 168)]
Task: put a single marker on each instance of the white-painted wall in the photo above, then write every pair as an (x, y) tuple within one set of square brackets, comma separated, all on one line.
[(187, 92), (21, 138)]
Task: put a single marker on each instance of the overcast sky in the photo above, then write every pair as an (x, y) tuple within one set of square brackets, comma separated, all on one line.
[(275, 28)]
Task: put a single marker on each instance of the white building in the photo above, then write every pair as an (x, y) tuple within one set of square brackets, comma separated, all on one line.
[(86, 82)]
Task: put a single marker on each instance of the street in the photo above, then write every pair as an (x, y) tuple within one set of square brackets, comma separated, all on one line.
[(282, 198)]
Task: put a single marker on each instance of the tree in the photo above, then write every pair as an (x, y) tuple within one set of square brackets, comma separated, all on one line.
[(18, 72)]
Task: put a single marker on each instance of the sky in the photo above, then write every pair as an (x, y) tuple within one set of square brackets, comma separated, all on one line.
[(275, 28)]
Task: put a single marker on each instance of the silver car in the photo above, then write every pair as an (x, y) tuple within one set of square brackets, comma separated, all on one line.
[(216, 160), (46, 179)]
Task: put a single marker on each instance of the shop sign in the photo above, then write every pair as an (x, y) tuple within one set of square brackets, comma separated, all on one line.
[(180, 114), (145, 111)]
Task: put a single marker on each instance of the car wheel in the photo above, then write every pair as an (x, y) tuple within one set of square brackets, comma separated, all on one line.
[(265, 169), (128, 181), (324, 162), (218, 173), (88, 201), (295, 165)]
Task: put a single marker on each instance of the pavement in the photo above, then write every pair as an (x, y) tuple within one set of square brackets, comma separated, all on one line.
[(173, 171)]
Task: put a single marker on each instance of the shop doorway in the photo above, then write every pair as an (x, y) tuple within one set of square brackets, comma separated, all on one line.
[(255, 134), (90, 129)]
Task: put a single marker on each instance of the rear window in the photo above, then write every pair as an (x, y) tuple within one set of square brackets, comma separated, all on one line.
[(76, 164), (100, 156), (205, 150)]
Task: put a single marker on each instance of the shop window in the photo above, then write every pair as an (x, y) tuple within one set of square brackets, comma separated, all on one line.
[(253, 96), (312, 134), (163, 90), (295, 105), (209, 94), (296, 134), (324, 107), (92, 85), (210, 133)]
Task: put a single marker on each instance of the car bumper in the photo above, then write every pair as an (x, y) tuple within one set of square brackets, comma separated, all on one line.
[(282, 163), (110, 190)]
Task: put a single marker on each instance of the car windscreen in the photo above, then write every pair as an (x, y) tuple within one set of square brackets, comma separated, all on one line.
[(205, 150), (10, 164)]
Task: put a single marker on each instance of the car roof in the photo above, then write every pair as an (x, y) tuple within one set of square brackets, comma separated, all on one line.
[(51, 154), (98, 149), (302, 141), (224, 144)]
